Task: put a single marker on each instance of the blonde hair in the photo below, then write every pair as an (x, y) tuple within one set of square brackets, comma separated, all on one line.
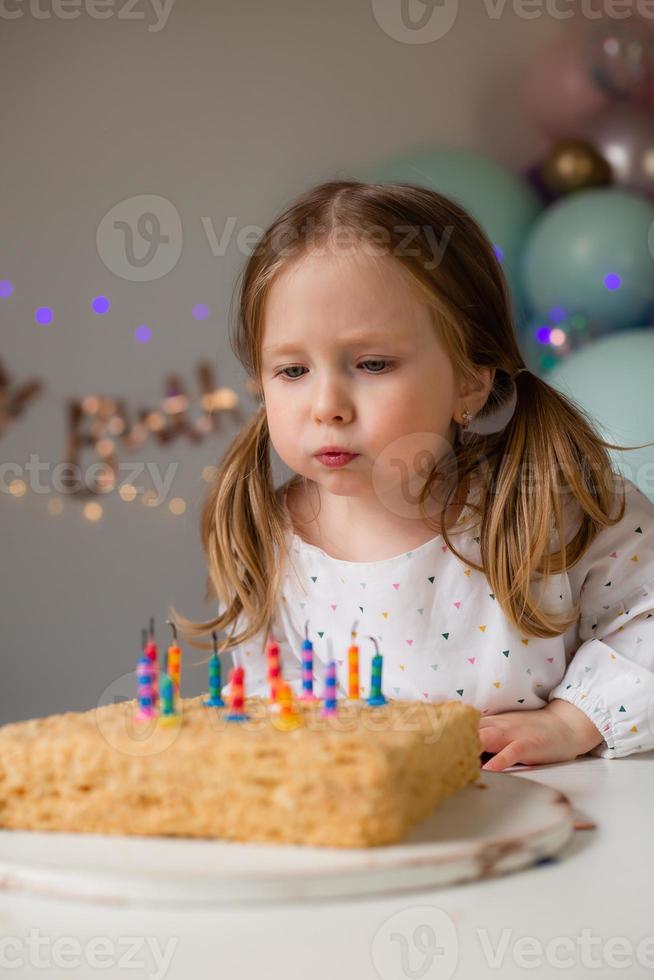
[(548, 437)]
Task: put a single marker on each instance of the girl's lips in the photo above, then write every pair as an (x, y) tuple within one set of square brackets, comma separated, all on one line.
[(335, 459)]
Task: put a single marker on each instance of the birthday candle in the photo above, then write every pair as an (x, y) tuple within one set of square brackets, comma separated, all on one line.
[(331, 706), (168, 716), (215, 682), (288, 717), (274, 669), (307, 667), (236, 695), (144, 689), (376, 696), (152, 653), (174, 664), (353, 665)]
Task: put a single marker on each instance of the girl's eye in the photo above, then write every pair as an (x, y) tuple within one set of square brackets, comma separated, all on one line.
[(295, 367)]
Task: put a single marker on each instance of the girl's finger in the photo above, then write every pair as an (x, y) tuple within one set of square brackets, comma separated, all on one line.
[(508, 756), (492, 739), (491, 720)]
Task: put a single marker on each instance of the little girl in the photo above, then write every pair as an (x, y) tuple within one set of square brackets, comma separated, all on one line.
[(444, 500)]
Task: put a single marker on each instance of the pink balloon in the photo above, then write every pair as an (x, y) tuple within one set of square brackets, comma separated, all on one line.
[(559, 91)]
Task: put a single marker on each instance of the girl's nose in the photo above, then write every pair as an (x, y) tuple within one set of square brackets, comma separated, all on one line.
[(332, 402)]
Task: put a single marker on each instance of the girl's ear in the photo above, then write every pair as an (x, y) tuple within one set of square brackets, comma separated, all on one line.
[(476, 391)]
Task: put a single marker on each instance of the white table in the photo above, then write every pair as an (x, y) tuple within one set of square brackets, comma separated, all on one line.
[(593, 905)]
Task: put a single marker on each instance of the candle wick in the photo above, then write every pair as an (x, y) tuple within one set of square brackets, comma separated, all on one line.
[(375, 642)]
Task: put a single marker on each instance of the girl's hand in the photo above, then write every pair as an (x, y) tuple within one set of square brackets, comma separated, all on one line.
[(558, 732)]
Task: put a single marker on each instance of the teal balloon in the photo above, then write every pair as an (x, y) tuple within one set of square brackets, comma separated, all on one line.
[(504, 204), (593, 252), (546, 341), (611, 379)]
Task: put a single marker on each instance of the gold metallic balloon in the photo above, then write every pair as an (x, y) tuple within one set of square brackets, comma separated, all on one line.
[(573, 165)]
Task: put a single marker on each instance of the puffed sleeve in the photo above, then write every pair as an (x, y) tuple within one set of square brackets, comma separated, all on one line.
[(611, 674)]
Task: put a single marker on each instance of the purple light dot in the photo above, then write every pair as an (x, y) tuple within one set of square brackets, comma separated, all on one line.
[(44, 315), (100, 304), (200, 311), (143, 334), (612, 281), (557, 314), (6, 288), (499, 253), (542, 335)]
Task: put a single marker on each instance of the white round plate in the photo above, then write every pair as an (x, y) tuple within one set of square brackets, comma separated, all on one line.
[(498, 825)]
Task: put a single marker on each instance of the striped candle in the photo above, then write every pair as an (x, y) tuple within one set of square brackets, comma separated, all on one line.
[(145, 693), (215, 677), (168, 715), (331, 704), (174, 661), (288, 717), (307, 667), (353, 665), (237, 695), (376, 696), (152, 653), (274, 670)]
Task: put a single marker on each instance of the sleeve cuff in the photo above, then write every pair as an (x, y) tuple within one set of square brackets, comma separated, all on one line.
[(599, 716)]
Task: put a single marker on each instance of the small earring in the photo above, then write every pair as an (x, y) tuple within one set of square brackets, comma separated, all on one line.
[(466, 419)]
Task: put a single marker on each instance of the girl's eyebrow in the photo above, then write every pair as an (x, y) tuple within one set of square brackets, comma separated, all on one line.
[(359, 338)]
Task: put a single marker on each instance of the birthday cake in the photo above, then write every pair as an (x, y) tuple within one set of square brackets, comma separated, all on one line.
[(360, 778), (332, 772)]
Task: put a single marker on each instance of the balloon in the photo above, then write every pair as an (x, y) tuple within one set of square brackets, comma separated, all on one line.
[(559, 91), (624, 135), (546, 341), (621, 55), (500, 201), (593, 253), (612, 380), (573, 165), (534, 177)]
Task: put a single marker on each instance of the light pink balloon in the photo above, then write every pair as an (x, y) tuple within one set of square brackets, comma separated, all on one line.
[(559, 92)]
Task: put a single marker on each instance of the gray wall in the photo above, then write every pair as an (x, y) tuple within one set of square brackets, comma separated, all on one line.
[(228, 111)]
